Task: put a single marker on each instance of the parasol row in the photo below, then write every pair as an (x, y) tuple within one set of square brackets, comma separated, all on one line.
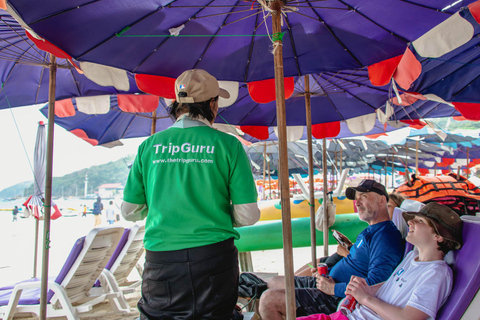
[(105, 119)]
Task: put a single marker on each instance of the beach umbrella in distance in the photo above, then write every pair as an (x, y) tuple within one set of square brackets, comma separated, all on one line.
[(35, 202)]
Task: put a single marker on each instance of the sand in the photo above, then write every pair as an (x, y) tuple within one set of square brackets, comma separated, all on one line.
[(17, 251)]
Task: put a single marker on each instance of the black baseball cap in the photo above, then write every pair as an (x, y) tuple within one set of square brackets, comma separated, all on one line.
[(367, 185)]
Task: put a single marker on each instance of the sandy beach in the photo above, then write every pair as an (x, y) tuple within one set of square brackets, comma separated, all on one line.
[(17, 248)]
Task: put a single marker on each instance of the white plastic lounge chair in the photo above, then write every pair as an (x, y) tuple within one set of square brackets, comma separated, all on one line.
[(68, 293), (122, 262)]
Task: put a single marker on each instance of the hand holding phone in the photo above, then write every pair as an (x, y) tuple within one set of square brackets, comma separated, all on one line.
[(339, 239)]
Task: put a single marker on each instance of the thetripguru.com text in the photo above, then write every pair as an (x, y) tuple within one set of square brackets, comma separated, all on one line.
[(185, 148), (176, 160)]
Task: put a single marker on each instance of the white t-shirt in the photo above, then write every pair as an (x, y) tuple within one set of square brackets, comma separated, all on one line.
[(110, 212), (422, 285)]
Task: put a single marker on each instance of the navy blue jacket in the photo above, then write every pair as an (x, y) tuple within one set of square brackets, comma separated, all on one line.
[(374, 255)]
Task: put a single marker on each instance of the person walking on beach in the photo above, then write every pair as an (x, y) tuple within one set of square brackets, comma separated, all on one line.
[(97, 212), (193, 184), (84, 213), (15, 213), (110, 213)]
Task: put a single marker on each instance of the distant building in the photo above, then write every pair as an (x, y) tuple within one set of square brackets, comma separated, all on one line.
[(111, 190)]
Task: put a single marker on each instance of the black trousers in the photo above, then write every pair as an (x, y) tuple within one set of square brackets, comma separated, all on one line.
[(196, 283)]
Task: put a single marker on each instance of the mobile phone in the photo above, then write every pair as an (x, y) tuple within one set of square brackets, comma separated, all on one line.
[(338, 238)]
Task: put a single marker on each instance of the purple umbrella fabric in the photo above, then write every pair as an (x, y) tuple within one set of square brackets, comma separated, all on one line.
[(24, 71), (229, 38)]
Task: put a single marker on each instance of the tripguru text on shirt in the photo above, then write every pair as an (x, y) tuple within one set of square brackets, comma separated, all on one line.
[(184, 148)]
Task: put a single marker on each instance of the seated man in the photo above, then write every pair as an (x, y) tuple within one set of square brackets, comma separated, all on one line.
[(395, 201), (422, 282), (376, 253)]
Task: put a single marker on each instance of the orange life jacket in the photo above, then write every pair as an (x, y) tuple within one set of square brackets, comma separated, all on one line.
[(425, 189)]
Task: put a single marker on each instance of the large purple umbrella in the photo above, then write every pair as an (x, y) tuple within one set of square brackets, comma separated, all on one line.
[(229, 38), (335, 96)]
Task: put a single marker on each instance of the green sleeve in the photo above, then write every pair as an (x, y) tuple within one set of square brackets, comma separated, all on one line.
[(242, 186)]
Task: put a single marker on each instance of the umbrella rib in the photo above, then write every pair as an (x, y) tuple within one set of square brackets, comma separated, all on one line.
[(457, 70), (75, 80), (39, 85), (380, 26), (211, 39), (293, 45), (115, 35), (62, 12), (336, 38), (424, 6), (251, 50)]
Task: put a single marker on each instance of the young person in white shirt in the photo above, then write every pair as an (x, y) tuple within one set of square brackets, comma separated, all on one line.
[(423, 280)]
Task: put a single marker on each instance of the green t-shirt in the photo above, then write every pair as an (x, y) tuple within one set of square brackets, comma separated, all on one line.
[(189, 176)]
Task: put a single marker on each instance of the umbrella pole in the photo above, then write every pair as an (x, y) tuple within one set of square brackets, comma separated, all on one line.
[(290, 313), (393, 167), (154, 122), (467, 169), (35, 252), (269, 181), (311, 182), (264, 168), (325, 197), (48, 188), (416, 158)]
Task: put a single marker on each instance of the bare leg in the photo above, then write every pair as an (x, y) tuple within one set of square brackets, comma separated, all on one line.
[(272, 305), (277, 282)]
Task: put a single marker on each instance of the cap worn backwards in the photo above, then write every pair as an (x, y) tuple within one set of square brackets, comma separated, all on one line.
[(197, 85), (367, 185)]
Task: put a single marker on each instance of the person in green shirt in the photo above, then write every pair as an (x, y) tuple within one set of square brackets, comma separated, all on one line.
[(193, 184)]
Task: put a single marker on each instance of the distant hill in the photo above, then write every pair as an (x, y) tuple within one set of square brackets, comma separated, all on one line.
[(15, 191), (73, 184)]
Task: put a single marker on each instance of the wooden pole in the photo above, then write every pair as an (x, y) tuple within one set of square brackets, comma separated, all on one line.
[(467, 170), (325, 198), (154, 122), (435, 170), (48, 188), (416, 158), (407, 174), (290, 313), (269, 181), (264, 168), (393, 170), (311, 182), (35, 252)]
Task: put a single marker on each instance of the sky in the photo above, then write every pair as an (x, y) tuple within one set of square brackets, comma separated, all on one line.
[(18, 128)]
